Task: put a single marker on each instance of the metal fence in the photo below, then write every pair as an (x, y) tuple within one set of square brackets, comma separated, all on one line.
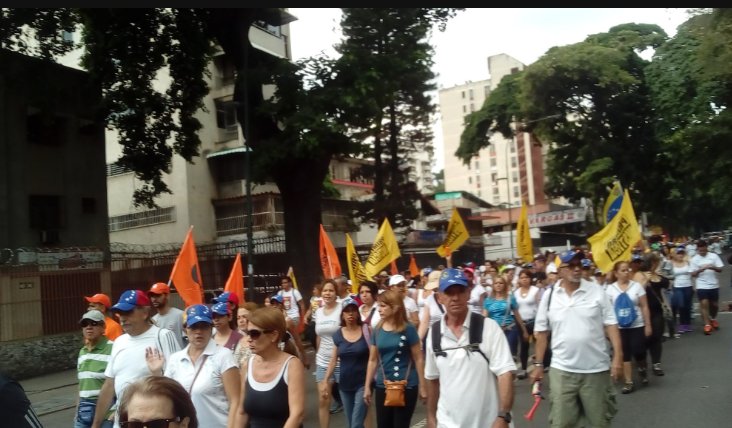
[(42, 290)]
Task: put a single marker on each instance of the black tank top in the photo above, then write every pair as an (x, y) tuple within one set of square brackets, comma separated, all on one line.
[(270, 408)]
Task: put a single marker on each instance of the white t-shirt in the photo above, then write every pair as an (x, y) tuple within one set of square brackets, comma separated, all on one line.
[(464, 402), (325, 327), (410, 305), (127, 362), (474, 302), (682, 276), (706, 280), (635, 292), (691, 250), (290, 300), (436, 309), (208, 394), (528, 305), (577, 323), (173, 321)]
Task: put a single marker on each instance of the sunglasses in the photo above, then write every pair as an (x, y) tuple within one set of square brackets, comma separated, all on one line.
[(256, 334), (87, 323), (157, 423)]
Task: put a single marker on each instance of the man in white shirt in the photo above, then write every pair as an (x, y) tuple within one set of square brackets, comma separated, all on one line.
[(168, 316), (579, 316), (463, 389), (127, 362), (292, 300), (705, 266)]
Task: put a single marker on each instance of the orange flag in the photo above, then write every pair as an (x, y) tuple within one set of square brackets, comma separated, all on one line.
[(394, 269), (328, 257), (413, 269), (235, 283), (186, 274)]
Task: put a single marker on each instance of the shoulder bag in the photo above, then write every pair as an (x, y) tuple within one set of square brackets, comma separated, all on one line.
[(395, 389)]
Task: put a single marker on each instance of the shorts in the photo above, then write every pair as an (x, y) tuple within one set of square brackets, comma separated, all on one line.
[(711, 294), (320, 374), (634, 343), (581, 399)]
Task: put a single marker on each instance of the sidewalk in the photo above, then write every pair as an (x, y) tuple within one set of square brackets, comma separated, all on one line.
[(52, 392)]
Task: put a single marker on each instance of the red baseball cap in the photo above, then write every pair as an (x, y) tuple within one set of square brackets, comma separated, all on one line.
[(100, 298), (159, 288)]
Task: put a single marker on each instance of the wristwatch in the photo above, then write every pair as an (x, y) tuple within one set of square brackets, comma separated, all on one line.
[(506, 416)]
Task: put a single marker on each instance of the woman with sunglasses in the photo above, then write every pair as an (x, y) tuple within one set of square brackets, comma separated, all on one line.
[(208, 372), (157, 402), (352, 351), (394, 355), (272, 380)]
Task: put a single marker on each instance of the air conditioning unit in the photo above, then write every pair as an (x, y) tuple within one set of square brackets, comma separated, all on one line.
[(49, 237)]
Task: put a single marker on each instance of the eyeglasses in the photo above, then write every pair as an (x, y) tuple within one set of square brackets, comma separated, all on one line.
[(87, 323), (624, 270), (157, 423), (255, 334)]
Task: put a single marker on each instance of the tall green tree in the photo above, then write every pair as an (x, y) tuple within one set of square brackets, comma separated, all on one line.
[(387, 57)]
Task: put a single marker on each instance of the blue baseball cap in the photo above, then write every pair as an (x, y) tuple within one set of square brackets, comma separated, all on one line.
[(452, 276), (349, 301), (227, 296), (586, 263), (221, 308), (636, 257), (569, 255), (276, 298), (131, 299), (198, 313)]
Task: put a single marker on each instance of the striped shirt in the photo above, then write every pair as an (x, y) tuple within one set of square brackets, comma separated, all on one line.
[(91, 366)]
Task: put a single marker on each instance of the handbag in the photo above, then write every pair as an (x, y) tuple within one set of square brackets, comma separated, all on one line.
[(668, 314), (395, 389)]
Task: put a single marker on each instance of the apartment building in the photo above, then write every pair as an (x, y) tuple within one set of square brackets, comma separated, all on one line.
[(506, 171)]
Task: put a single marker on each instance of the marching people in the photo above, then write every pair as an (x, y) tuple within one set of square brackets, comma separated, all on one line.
[(394, 356), (167, 316), (276, 302), (127, 361), (367, 292), (207, 372), (502, 308), (327, 323), (634, 332), (102, 303), (351, 351), (467, 391), (580, 317), (91, 364), (231, 300), (397, 282), (705, 266), (655, 285), (273, 380), (224, 336), (683, 292), (527, 300), (292, 301), (242, 351), (433, 309)]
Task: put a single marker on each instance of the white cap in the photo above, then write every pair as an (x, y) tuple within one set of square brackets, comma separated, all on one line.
[(396, 279), (551, 268)]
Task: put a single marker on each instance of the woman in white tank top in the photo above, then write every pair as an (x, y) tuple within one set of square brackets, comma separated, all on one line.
[(527, 299)]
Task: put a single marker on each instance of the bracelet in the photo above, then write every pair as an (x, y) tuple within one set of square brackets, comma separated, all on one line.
[(539, 364)]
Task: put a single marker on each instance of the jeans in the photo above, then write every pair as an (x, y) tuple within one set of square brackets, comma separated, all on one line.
[(681, 301), (105, 424), (354, 407), (512, 334)]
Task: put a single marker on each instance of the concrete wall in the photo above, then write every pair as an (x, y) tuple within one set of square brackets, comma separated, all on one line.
[(34, 357)]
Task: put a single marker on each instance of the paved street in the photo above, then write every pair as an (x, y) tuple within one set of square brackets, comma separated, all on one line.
[(695, 392)]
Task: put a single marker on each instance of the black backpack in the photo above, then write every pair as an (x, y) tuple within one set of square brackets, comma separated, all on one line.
[(475, 336)]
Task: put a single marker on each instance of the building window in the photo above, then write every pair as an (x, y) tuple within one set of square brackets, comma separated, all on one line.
[(463, 94), (513, 162), (225, 69), (116, 169), (470, 180), (471, 93), (486, 91), (88, 205), (144, 218), (493, 162), (226, 115), (495, 191), (45, 212), (479, 193), (514, 176), (472, 107), (515, 192), (512, 147), (47, 130), (514, 70), (494, 177), (465, 109), (477, 165), (274, 30)]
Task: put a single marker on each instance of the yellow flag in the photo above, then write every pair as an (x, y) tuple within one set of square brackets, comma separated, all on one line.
[(383, 251), (456, 235), (291, 274), (355, 268), (524, 248), (615, 241), (612, 203)]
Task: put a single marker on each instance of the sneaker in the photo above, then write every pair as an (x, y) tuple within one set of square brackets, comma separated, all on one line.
[(707, 329), (336, 408), (677, 336), (715, 324), (521, 374), (628, 388), (687, 328), (657, 370), (644, 376)]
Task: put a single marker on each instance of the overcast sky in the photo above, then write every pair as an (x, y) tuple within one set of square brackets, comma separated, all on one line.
[(475, 34)]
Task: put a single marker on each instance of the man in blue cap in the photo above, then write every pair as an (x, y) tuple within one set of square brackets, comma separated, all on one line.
[(458, 376), (127, 362), (579, 316)]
